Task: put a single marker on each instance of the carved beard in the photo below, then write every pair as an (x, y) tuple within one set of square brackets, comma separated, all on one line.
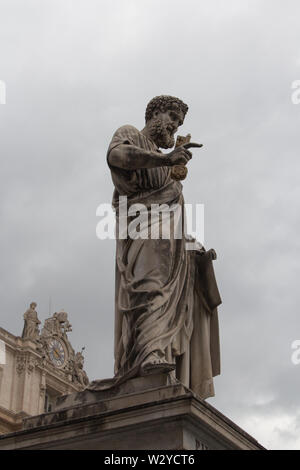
[(161, 133)]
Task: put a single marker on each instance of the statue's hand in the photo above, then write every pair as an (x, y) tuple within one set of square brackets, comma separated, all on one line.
[(190, 145), (181, 155)]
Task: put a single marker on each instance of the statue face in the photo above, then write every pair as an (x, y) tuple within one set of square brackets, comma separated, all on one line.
[(163, 126)]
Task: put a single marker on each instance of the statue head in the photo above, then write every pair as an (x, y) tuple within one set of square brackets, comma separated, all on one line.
[(33, 305), (164, 114)]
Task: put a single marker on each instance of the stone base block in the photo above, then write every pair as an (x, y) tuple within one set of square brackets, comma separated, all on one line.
[(148, 413)]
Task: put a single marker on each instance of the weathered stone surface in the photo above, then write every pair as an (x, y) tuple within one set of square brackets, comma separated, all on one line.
[(163, 321), (135, 385), (133, 417)]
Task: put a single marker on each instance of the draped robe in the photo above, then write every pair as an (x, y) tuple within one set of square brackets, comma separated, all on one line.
[(160, 303)]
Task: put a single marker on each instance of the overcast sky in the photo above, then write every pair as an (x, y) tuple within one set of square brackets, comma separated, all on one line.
[(77, 70)]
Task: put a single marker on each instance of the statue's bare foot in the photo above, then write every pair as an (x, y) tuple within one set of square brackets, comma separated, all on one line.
[(154, 364)]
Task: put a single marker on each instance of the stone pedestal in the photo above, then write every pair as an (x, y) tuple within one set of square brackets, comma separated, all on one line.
[(148, 413)]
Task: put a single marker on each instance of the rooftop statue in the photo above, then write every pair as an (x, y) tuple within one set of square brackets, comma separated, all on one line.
[(31, 323)]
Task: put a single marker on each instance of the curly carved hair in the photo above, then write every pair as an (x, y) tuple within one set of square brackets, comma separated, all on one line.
[(163, 103)]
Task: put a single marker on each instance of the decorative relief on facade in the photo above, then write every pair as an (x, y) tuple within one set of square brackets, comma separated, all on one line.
[(31, 362), (20, 363), (57, 351), (53, 348), (42, 390)]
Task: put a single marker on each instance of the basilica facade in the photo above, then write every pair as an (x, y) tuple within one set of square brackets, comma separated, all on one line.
[(36, 368)]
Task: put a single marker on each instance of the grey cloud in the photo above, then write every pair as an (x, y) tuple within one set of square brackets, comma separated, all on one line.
[(75, 71)]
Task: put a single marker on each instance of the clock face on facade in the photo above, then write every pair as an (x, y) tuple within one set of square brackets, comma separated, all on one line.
[(57, 352)]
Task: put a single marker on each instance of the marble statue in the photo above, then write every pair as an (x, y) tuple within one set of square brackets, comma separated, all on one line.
[(166, 296), (31, 323), (78, 372)]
